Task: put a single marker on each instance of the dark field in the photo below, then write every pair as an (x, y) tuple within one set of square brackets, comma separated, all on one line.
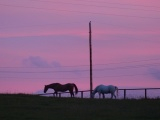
[(31, 107)]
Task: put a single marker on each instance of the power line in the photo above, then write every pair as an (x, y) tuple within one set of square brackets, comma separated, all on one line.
[(135, 61), (42, 72), (129, 26), (62, 23), (98, 13), (123, 62), (86, 70), (92, 1), (101, 6), (122, 75), (44, 78), (66, 23), (128, 67)]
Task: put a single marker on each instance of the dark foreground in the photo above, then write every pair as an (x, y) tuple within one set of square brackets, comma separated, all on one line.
[(30, 107)]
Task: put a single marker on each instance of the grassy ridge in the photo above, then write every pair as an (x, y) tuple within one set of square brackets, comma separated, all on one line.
[(22, 107)]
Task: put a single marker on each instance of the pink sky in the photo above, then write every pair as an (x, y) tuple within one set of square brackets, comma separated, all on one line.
[(43, 42)]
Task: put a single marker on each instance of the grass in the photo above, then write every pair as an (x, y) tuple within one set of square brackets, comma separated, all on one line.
[(32, 107)]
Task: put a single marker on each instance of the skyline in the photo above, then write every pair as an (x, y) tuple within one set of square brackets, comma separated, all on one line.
[(43, 42)]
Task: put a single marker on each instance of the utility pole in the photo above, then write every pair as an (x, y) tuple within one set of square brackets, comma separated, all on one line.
[(90, 49)]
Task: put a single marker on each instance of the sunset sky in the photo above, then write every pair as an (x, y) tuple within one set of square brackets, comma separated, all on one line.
[(47, 41)]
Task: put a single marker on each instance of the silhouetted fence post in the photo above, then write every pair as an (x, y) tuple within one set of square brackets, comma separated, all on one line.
[(124, 93), (59, 94), (81, 94), (145, 93)]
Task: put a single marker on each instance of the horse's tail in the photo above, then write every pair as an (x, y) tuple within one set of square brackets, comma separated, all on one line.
[(116, 89), (76, 89)]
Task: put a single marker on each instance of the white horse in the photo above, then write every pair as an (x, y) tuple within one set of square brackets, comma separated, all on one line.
[(102, 89)]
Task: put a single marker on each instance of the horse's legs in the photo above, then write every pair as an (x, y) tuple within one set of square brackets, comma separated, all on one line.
[(111, 95), (71, 93), (114, 96), (55, 93), (99, 95), (103, 95)]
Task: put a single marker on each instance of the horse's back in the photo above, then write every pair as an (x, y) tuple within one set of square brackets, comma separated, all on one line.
[(69, 84), (112, 88), (101, 88), (58, 85), (106, 89), (54, 84)]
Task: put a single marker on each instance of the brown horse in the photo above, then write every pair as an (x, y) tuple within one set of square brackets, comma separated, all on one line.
[(62, 88)]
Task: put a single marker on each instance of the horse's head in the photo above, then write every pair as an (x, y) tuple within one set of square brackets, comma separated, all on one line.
[(45, 88)]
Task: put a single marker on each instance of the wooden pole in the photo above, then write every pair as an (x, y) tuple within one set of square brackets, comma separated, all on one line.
[(90, 49)]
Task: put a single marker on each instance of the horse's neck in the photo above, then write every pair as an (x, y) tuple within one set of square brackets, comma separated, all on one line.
[(53, 85), (95, 90), (100, 88)]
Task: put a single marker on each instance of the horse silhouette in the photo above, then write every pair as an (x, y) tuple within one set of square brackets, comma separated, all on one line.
[(103, 89), (62, 88)]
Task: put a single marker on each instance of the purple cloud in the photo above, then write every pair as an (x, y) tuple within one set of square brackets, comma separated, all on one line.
[(37, 61), (155, 73)]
